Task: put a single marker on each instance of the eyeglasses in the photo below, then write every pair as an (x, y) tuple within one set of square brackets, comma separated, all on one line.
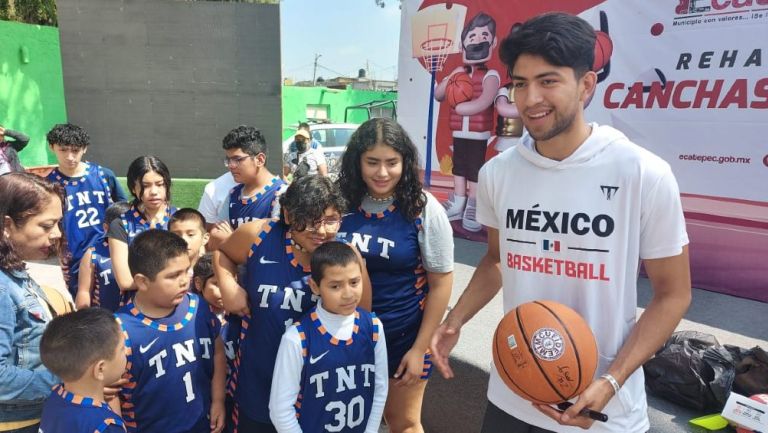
[(235, 161), (330, 225)]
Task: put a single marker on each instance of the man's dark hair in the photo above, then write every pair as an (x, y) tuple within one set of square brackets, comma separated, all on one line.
[(73, 342), (304, 125), (115, 211), (330, 254), (561, 39), (140, 167), (67, 134), (307, 198), (187, 214), (480, 20), (204, 269), (246, 138), (151, 251)]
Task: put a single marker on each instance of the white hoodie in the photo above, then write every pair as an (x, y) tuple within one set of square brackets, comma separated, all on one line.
[(573, 231)]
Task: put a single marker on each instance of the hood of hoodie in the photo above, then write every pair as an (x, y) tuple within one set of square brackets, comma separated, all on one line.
[(599, 140)]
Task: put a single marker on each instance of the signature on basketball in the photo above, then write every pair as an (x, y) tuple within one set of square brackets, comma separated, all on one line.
[(564, 378), (520, 362)]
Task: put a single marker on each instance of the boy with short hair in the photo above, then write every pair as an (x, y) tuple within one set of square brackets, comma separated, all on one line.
[(256, 195), (331, 369), (190, 225), (206, 284), (96, 282), (176, 368), (85, 349), (90, 190)]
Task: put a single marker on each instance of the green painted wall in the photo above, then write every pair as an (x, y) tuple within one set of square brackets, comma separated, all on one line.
[(295, 100), (31, 94)]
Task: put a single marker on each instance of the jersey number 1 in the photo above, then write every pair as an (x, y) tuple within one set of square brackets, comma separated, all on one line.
[(188, 386)]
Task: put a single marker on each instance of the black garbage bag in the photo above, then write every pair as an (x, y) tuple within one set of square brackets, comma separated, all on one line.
[(751, 370), (722, 363), (682, 374)]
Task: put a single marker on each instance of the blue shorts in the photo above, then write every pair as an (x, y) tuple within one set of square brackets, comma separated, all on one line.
[(399, 342)]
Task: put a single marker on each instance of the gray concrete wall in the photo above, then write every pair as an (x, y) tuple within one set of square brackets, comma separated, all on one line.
[(170, 78)]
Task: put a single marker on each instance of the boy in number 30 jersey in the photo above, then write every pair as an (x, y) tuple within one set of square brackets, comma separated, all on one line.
[(331, 368)]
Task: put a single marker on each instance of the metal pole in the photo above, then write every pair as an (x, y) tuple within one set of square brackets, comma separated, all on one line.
[(314, 70), (428, 165)]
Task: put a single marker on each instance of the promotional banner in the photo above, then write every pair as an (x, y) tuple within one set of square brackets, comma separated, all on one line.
[(686, 79)]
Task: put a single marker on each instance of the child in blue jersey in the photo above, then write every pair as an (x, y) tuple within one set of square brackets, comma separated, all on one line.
[(96, 282), (150, 184), (331, 368), (206, 284), (176, 368), (90, 190), (407, 242), (256, 195), (275, 291), (85, 349), (190, 225)]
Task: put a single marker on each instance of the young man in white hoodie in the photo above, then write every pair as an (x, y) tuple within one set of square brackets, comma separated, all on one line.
[(570, 213)]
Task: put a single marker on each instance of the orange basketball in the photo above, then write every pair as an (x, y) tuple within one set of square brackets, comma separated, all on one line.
[(545, 352), (603, 50), (459, 89)]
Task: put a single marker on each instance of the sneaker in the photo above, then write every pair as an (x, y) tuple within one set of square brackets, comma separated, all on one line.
[(454, 206), (469, 220)]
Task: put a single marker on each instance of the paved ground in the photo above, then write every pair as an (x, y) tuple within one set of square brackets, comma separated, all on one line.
[(457, 406)]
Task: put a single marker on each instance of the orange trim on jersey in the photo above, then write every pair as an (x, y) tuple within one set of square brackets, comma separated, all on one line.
[(289, 252)]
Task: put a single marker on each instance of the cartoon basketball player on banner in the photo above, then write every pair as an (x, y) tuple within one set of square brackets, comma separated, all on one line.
[(470, 91)]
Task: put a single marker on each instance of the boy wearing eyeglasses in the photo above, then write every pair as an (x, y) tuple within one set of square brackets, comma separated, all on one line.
[(257, 191)]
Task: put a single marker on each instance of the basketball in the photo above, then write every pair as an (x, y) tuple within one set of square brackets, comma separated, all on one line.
[(459, 89), (603, 50), (762, 398), (545, 352)]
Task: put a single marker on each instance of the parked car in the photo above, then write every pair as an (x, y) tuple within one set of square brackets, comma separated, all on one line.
[(333, 137)]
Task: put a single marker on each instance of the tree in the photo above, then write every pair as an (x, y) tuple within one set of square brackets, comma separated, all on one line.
[(382, 3), (29, 11)]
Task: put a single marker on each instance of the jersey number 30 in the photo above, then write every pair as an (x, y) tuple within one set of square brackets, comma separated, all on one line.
[(347, 415)]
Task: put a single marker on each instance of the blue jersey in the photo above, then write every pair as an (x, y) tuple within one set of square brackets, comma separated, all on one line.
[(134, 222), (170, 368), (258, 206), (279, 293), (106, 293), (337, 380), (65, 412), (88, 198), (230, 333), (389, 243)]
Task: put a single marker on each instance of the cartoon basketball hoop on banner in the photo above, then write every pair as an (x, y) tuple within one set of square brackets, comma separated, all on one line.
[(436, 33), (438, 49)]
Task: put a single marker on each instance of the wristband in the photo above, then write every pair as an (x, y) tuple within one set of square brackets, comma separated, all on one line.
[(612, 380)]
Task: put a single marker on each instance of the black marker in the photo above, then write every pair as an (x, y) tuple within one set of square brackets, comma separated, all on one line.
[(593, 414)]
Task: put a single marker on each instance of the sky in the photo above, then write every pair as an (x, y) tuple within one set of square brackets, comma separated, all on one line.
[(346, 33)]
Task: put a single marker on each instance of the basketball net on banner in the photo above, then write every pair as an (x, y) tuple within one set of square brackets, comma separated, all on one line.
[(436, 51), (434, 32)]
